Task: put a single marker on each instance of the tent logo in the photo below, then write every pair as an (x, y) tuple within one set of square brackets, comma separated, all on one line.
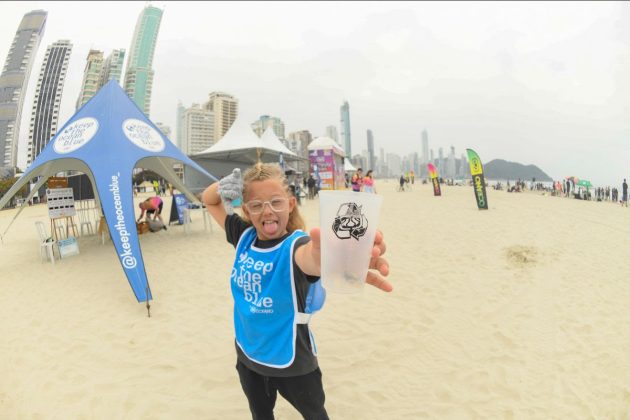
[(350, 222), (143, 135), (76, 135)]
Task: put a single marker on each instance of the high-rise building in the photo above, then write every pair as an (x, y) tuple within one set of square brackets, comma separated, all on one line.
[(112, 67), (394, 164), (13, 84), (370, 152), (450, 166), (345, 128), (463, 167), (260, 125), (47, 100), (331, 132), (98, 72), (139, 73), (179, 124), (382, 164), (298, 142), (425, 152), (165, 129), (91, 77), (225, 109), (197, 129)]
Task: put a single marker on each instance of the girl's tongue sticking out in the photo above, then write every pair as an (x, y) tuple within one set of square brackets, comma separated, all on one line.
[(270, 227)]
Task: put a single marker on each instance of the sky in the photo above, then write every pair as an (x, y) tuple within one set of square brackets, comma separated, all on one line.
[(542, 83)]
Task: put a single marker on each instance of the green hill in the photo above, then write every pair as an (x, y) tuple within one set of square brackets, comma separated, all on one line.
[(502, 169)]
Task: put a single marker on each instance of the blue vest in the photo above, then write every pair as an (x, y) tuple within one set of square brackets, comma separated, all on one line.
[(265, 303)]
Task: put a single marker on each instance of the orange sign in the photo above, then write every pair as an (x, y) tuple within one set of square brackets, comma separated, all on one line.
[(57, 182)]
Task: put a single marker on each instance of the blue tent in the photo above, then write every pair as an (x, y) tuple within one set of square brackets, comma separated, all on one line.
[(106, 139)]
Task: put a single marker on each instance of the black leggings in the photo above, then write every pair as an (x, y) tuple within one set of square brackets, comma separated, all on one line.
[(304, 392)]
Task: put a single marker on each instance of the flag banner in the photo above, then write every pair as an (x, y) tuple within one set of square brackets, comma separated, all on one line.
[(479, 182), (434, 179)]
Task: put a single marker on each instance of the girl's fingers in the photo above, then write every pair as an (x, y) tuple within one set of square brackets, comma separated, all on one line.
[(379, 282)]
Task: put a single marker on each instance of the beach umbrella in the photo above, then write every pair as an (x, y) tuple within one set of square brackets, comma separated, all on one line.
[(106, 139), (584, 183)]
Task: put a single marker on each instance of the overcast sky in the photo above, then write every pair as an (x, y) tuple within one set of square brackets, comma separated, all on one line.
[(537, 83)]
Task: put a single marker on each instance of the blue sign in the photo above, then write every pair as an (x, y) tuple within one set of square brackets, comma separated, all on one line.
[(181, 203)]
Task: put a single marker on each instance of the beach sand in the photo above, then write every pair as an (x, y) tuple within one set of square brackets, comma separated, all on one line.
[(519, 312)]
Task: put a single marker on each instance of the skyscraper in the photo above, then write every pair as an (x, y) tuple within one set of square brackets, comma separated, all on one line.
[(91, 77), (98, 72), (112, 68), (425, 153), (331, 132), (371, 158), (139, 73), (197, 129), (48, 97), (345, 128), (260, 125), (13, 84), (225, 108), (165, 129), (179, 124), (298, 144)]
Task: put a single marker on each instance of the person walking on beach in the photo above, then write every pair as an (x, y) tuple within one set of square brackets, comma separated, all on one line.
[(368, 183), (274, 280), (357, 180), (310, 183), (401, 181), (624, 193), (152, 206)]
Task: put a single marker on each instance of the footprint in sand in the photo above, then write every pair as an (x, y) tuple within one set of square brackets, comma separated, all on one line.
[(522, 256)]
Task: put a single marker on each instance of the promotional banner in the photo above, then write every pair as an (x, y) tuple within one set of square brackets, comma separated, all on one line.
[(434, 179), (479, 183), (325, 162), (180, 202)]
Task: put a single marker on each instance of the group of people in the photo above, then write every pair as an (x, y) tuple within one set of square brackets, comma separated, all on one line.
[(365, 183)]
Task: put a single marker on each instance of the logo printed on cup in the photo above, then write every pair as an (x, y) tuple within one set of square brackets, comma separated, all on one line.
[(350, 222), (76, 135), (143, 135)]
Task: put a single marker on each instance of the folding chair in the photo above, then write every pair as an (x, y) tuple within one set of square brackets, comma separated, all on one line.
[(46, 242)]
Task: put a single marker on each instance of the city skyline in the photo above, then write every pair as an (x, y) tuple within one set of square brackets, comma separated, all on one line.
[(473, 75)]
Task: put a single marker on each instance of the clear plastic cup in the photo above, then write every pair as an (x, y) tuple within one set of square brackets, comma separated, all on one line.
[(348, 222)]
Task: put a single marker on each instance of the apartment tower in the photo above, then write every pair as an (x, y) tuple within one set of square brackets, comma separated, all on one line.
[(139, 73), (13, 83), (45, 114), (225, 109), (345, 128)]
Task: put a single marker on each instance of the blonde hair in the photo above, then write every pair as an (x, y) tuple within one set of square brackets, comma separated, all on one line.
[(264, 171)]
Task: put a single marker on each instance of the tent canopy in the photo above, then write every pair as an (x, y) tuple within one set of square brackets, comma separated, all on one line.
[(240, 144), (348, 167), (325, 143), (106, 139)]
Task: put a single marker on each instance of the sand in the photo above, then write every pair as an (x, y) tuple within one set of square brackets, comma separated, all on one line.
[(519, 312)]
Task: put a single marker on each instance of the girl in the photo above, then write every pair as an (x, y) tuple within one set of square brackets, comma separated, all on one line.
[(368, 183), (274, 278), (357, 180)]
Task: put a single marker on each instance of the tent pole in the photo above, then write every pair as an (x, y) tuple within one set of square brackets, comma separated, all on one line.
[(148, 306)]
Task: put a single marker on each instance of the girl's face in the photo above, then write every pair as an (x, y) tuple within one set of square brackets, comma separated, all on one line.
[(271, 220)]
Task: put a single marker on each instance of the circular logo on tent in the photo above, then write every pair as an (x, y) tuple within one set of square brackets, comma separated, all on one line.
[(76, 135), (143, 135)]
